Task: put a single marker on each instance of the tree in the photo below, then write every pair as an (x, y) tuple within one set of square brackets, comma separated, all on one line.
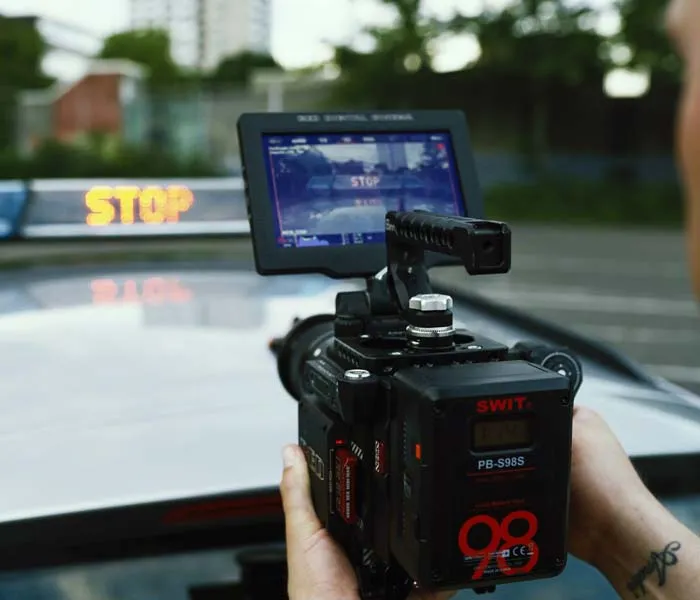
[(21, 52), (22, 49), (535, 44), (545, 40), (147, 47), (543, 44), (378, 79), (239, 68), (643, 32)]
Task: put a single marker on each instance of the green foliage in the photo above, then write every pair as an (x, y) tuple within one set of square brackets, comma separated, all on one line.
[(586, 203), (375, 81), (239, 68), (100, 158), (544, 40), (147, 47), (22, 50), (379, 79), (12, 166), (643, 30), (541, 44)]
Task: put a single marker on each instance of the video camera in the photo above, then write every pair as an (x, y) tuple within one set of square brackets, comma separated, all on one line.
[(438, 458)]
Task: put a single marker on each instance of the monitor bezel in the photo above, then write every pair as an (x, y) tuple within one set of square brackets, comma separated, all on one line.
[(350, 261)]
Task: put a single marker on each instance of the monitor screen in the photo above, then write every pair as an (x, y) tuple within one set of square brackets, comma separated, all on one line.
[(335, 189)]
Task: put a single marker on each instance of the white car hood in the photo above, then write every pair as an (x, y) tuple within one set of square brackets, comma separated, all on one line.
[(113, 399)]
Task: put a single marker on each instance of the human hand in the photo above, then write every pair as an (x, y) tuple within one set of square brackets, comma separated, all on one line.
[(318, 569), (604, 485)]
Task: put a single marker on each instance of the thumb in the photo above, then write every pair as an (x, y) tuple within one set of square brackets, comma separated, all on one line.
[(300, 517)]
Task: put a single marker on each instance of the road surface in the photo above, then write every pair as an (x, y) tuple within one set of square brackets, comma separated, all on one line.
[(628, 288)]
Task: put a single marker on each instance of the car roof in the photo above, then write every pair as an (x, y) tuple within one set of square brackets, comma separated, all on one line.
[(136, 385)]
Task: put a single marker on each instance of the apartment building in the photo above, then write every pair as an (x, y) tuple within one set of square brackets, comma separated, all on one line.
[(203, 32)]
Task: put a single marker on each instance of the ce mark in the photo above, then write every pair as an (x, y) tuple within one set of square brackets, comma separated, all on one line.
[(519, 551)]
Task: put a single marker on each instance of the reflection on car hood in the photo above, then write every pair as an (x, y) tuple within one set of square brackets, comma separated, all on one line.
[(143, 386)]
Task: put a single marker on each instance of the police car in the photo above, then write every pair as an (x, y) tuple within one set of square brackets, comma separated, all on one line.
[(142, 416)]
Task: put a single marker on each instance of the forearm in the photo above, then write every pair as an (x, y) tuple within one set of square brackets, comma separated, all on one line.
[(650, 554)]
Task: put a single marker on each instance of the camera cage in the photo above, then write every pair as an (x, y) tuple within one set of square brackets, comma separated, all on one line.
[(351, 261), (395, 271)]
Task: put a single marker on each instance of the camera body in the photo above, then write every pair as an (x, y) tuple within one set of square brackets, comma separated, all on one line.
[(438, 458), (407, 464)]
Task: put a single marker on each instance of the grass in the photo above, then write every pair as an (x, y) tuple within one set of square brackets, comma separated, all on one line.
[(569, 202)]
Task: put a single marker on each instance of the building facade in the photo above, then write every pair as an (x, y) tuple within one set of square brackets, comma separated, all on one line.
[(202, 32), (109, 99)]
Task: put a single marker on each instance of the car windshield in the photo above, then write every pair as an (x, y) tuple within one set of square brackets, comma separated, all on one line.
[(143, 405)]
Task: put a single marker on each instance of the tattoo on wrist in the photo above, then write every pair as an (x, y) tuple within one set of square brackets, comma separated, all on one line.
[(657, 564)]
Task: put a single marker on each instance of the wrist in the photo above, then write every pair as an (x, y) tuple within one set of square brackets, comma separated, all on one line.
[(628, 523), (644, 537)]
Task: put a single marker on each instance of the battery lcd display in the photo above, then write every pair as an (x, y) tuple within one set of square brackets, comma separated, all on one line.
[(494, 434)]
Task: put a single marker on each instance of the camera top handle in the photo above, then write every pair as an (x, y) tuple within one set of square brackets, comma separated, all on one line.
[(483, 247)]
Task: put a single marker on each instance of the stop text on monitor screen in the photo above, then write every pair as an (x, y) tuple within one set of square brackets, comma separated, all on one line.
[(331, 189), (126, 205)]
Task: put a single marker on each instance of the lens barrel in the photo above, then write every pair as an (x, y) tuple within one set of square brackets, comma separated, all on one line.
[(305, 340)]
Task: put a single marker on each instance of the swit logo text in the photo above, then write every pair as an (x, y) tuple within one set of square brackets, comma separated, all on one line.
[(512, 404)]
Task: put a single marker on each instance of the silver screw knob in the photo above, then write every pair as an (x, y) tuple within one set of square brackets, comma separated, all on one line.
[(430, 302), (357, 374)]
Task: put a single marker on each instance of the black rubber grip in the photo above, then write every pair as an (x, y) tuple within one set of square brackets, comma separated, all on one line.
[(439, 233)]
